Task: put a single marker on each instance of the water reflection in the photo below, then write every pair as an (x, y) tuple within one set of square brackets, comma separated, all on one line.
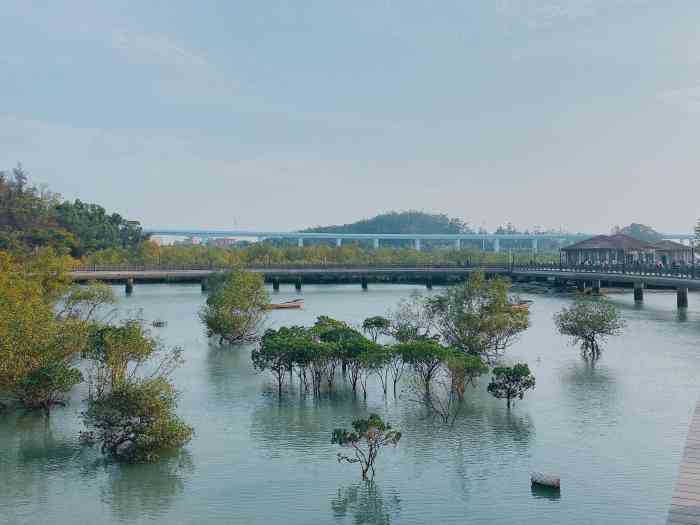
[(542, 492), (135, 491), (365, 502)]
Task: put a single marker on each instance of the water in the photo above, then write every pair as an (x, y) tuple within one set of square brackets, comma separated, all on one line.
[(613, 432)]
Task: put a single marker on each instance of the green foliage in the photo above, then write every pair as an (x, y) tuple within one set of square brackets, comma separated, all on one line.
[(462, 370), (132, 413), (235, 308), (589, 322), (280, 349), (425, 358), (46, 385), (376, 326), (366, 440), (412, 320), (34, 342), (85, 302), (511, 382), (136, 420), (477, 318)]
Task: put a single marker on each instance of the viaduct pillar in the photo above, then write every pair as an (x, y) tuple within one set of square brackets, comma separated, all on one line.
[(534, 245), (497, 245), (376, 244), (339, 242), (300, 242), (458, 244), (416, 244)]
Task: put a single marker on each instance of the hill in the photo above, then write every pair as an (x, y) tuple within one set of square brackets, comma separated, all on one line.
[(641, 232), (32, 217), (410, 221)]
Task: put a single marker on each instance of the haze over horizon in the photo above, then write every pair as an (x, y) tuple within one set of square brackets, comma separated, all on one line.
[(573, 113)]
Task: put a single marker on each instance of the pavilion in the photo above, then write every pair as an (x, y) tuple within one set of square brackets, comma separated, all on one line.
[(623, 249)]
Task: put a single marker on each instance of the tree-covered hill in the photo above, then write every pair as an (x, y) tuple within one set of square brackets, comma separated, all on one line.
[(641, 232), (32, 217), (411, 221)]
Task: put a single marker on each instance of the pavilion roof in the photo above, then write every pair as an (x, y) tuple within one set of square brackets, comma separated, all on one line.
[(671, 246), (618, 241)]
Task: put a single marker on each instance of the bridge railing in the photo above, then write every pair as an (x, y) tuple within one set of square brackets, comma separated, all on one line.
[(272, 267), (681, 271)]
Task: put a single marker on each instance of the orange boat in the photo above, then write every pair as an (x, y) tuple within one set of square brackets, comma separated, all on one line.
[(289, 305), (522, 306)]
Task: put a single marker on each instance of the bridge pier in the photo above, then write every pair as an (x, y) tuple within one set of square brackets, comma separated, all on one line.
[(429, 283), (416, 244), (300, 242), (339, 242), (497, 245), (581, 285), (297, 284), (129, 287), (682, 297), (276, 284), (639, 292), (534, 245), (595, 287), (205, 284), (363, 281), (376, 244), (458, 244)]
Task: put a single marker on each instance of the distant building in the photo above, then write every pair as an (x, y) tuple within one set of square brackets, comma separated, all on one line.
[(620, 248)]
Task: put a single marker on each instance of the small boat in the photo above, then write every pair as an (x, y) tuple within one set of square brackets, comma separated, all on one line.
[(289, 305), (521, 306)]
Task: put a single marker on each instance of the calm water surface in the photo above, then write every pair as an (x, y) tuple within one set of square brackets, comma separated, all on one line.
[(613, 432)]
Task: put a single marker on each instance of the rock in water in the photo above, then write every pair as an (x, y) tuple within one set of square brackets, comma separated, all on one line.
[(537, 478)]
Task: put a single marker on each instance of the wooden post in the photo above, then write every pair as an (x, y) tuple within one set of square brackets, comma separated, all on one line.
[(639, 292), (682, 297)]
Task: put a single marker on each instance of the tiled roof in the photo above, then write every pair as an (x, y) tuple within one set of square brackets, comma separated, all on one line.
[(611, 242), (670, 246)]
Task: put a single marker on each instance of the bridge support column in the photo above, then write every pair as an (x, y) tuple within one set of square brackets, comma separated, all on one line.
[(534, 245), (638, 292), (376, 244), (497, 245), (595, 287), (581, 285), (276, 284), (363, 281), (205, 284), (339, 242), (297, 284), (300, 242), (682, 297), (429, 283), (129, 287), (458, 244), (416, 244)]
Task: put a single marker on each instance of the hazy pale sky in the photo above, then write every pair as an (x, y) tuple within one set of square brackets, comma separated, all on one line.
[(280, 115)]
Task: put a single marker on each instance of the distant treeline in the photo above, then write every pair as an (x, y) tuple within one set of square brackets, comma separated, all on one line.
[(32, 217)]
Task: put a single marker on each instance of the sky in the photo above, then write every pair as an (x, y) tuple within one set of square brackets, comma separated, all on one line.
[(270, 115)]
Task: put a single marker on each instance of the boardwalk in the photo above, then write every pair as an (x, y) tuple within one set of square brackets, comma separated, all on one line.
[(685, 504)]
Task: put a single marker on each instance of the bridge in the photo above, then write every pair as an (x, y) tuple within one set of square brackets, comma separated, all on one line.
[(488, 240), (682, 278)]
